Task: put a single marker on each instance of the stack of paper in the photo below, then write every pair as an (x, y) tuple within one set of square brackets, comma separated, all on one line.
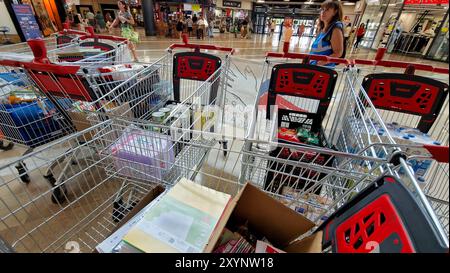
[(183, 221)]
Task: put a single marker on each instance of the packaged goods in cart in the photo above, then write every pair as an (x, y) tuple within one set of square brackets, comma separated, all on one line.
[(298, 127), (121, 68), (309, 204), (143, 154)]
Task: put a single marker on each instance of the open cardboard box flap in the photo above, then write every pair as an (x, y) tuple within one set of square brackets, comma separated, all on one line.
[(279, 224)]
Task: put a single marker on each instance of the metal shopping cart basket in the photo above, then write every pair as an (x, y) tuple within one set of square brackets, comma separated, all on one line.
[(29, 115), (191, 86), (402, 109), (101, 189)]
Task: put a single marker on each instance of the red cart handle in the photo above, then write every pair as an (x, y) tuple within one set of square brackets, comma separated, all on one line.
[(304, 56), (71, 31), (186, 44), (67, 30), (408, 66), (439, 153)]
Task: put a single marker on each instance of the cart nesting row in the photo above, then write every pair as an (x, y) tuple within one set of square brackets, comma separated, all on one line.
[(30, 117), (355, 196)]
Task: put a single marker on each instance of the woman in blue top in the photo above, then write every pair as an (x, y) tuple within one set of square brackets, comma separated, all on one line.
[(330, 37)]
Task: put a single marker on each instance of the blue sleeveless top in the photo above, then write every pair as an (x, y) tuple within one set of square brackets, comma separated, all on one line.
[(322, 43)]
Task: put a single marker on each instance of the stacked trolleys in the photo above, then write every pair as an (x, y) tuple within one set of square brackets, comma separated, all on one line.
[(104, 170), (30, 116), (127, 152), (325, 179)]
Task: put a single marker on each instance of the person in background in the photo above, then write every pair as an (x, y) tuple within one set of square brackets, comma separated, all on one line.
[(70, 18), (189, 24), (330, 36), (100, 22), (288, 31), (77, 21), (272, 27), (90, 17), (126, 22), (244, 29), (210, 26), (347, 32), (360, 32), (300, 30), (235, 28), (180, 26), (201, 28)]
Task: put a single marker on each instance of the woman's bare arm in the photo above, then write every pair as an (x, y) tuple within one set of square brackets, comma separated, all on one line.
[(337, 43)]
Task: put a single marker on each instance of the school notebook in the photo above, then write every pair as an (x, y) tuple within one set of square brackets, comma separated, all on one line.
[(182, 221)]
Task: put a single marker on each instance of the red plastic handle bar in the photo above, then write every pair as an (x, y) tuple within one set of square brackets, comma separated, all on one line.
[(439, 153), (302, 56), (105, 37), (380, 62), (71, 31), (210, 47), (186, 44)]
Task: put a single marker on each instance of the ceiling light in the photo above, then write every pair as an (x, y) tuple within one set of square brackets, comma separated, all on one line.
[(348, 4), (260, 1)]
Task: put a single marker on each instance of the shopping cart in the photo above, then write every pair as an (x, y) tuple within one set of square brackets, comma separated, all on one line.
[(122, 161), (306, 82), (402, 109), (32, 117), (67, 35)]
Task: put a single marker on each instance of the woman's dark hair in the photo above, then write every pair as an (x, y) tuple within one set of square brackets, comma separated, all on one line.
[(124, 3), (335, 5)]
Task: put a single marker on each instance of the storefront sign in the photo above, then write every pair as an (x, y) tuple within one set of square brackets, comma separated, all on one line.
[(196, 8), (27, 22), (425, 2), (231, 4)]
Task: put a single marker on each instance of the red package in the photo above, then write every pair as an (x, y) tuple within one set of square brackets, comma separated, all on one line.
[(288, 135)]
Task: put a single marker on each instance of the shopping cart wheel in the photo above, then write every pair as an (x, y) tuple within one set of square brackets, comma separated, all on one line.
[(59, 195), (6, 147), (225, 147), (21, 168), (119, 210)]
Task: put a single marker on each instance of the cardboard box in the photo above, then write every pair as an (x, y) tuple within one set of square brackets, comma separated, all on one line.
[(151, 195), (281, 225), (80, 121)]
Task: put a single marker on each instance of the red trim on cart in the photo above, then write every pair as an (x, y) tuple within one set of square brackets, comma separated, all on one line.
[(372, 226)]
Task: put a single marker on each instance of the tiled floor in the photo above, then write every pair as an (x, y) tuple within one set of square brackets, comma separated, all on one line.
[(29, 218)]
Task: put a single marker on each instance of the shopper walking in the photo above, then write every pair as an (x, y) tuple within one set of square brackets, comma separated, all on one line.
[(100, 22), (330, 36), (360, 32), (210, 27), (90, 18), (272, 27), (347, 32), (180, 27), (201, 28), (189, 24), (244, 28), (77, 21), (126, 22), (300, 30)]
